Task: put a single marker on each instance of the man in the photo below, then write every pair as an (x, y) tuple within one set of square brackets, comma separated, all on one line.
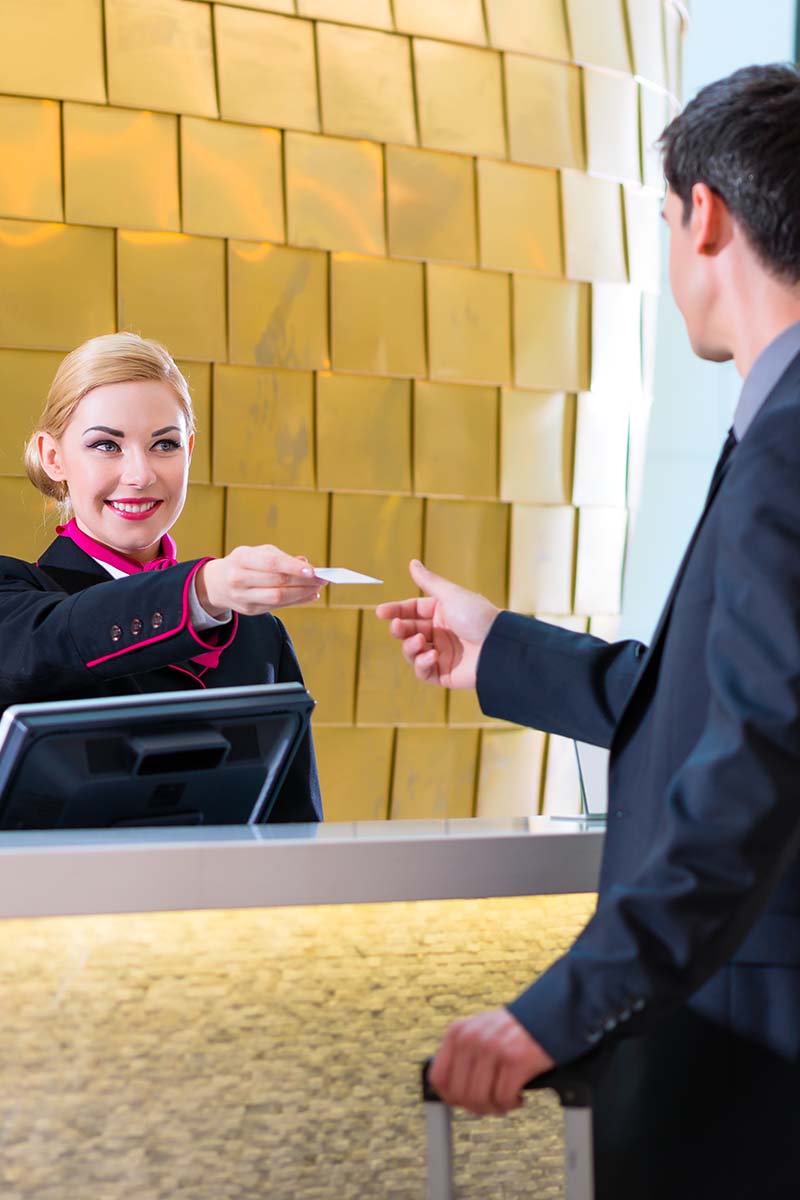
[(689, 971)]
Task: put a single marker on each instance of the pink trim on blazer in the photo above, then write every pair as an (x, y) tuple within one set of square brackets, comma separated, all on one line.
[(184, 623)]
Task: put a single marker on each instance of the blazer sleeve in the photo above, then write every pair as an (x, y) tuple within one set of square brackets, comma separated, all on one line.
[(550, 678), (53, 643), (299, 798), (732, 822)]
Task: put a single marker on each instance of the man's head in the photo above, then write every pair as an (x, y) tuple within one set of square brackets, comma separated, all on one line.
[(732, 163)]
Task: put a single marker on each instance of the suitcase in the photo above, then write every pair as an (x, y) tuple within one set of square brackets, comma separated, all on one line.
[(573, 1090)]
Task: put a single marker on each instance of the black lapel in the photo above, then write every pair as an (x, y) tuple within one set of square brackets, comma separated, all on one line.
[(71, 568)]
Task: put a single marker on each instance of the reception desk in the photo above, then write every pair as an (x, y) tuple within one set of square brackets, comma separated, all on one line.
[(238, 1014)]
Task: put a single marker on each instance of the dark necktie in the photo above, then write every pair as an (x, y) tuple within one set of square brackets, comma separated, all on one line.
[(728, 447)]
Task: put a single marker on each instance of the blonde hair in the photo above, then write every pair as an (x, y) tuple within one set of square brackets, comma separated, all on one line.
[(112, 358)]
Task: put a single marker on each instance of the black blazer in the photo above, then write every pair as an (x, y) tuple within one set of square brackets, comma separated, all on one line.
[(697, 925), (69, 631)]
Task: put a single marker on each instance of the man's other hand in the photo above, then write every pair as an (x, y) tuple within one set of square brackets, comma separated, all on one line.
[(443, 631), (485, 1060)]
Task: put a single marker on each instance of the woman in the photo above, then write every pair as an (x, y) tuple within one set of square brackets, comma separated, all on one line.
[(108, 610)]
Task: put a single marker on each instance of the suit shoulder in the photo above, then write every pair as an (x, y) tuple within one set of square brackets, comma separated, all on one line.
[(17, 569)]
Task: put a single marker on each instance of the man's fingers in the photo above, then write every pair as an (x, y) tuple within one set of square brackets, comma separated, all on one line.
[(420, 608), (407, 629)]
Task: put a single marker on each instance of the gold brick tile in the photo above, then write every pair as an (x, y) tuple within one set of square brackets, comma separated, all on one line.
[(363, 433), (334, 193), (455, 440), (551, 334), (326, 642), (263, 427), (29, 520), (58, 284), (539, 29), (198, 376), (365, 84), (561, 793), (52, 48), (388, 691), (160, 55), (469, 325), (545, 115), (537, 437), (378, 535), (171, 287), (520, 218), (30, 150), (378, 316), (460, 98), (279, 6), (430, 205), (463, 709), (598, 33), (593, 228), (121, 167), (199, 529), (673, 41), (509, 779), (646, 24), (617, 341), (600, 557), (266, 69), (542, 553), (376, 14), (454, 20), (601, 450), (467, 541), (655, 114), (296, 522), (355, 769), (278, 306), (611, 106), (605, 626), (232, 180), (25, 378), (642, 216), (434, 773)]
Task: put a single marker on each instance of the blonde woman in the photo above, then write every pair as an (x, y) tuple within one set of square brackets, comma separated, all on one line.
[(108, 609)]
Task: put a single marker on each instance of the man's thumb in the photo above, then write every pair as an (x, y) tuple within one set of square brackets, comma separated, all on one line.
[(428, 581)]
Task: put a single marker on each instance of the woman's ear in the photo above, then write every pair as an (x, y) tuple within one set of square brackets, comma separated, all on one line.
[(190, 446), (50, 456)]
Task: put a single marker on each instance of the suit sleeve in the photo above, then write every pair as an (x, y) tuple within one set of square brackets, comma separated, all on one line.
[(53, 643), (549, 678), (299, 798), (732, 819)]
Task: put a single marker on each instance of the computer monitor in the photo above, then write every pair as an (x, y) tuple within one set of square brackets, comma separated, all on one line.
[(216, 757)]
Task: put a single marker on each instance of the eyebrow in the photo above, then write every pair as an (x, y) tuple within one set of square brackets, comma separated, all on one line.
[(118, 432)]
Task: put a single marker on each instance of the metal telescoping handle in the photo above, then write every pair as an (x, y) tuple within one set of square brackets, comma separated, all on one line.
[(575, 1095)]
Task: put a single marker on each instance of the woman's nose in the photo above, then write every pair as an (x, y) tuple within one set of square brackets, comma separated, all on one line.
[(137, 471)]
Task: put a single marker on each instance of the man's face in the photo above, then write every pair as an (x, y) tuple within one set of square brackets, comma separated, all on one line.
[(693, 279)]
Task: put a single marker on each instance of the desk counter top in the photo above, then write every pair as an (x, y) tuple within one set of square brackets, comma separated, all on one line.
[(61, 872)]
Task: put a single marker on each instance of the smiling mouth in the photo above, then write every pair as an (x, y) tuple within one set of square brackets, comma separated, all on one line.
[(134, 508)]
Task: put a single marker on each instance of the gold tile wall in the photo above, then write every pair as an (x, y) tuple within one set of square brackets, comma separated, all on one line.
[(407, 254)]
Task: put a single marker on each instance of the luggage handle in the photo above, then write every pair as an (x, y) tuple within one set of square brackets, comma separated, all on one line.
[(568, 1082)]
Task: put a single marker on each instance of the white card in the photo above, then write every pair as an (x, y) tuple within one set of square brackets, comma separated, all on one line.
[(343, 575)]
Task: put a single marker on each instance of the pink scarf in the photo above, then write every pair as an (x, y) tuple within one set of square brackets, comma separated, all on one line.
[(167, 558)]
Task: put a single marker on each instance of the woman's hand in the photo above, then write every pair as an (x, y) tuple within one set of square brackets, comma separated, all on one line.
[(255, 579), (442, 632)]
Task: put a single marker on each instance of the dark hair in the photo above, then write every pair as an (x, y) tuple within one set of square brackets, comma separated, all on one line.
[(741, 137)]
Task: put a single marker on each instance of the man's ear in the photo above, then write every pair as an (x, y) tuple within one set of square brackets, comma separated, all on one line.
[(711, 222), (50, 456)]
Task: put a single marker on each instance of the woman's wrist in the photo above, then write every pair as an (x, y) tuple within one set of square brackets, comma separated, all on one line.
[(207, 590)]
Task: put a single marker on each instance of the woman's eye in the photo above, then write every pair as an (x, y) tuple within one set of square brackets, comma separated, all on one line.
[(168, 444), (105, 446)]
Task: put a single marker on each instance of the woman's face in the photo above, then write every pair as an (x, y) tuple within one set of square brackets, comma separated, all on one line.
[(125, 457)]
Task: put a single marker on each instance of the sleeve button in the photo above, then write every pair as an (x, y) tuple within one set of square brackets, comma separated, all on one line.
[(157, 620), (625, 1015), (594, 1037), (638, 1005), (136, 626), (115, 632), (610, 1025)]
